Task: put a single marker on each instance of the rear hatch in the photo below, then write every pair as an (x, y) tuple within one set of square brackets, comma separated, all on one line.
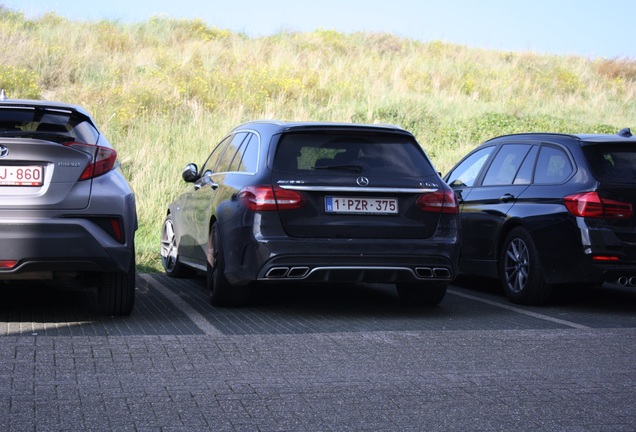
[(357, 183), (613, 164), (42, 158)]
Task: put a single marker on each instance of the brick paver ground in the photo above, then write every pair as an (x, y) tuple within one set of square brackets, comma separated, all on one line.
[(177, 364)]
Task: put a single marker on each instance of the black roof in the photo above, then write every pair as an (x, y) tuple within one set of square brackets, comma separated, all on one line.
[(590, 138), (276, 126)]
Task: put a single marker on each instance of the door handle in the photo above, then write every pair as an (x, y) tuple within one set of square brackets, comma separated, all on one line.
[(207, 182), (505, 198)]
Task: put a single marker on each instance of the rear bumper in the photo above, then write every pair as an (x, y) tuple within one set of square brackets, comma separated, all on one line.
[(621, 273), (342, 260), (582, 269), (60, 245), (600, 241), (583, 251), (357, 268)]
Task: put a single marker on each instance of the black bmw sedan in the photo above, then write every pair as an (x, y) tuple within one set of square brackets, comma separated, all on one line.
[(540, 210), (293, 203)]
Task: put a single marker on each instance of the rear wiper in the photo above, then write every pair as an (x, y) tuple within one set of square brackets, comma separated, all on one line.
[(354, 168)]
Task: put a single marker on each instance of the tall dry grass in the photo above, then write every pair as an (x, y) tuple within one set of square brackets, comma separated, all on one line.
[(165, 91)]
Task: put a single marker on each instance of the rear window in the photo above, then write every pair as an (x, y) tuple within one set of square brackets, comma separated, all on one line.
[(54, 125), (377, 154), (612, 162)]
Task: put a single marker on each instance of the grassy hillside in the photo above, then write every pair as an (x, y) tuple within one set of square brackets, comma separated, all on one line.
[(165, 91)]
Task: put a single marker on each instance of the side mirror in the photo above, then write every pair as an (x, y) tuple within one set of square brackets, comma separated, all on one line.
[(190, 173)]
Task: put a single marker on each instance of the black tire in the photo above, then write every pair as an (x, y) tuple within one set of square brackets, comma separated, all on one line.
[(169, 253), (116, 291), (221, 291), (520, 271), (421, 294)]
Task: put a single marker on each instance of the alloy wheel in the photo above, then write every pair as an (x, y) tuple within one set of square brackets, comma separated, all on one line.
[(168, 246), (517, 265)]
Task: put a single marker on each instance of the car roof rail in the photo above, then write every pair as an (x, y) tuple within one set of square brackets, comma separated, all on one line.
[(625, 132)]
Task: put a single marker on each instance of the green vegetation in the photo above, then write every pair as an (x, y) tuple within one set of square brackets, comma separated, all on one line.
[(165, 91)]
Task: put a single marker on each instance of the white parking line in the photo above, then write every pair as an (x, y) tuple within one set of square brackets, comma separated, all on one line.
[(198, 319), (521, 311)]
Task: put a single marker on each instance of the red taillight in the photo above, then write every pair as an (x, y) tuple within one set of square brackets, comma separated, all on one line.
[(589, 204), (7, 264), (440, 201), (104, 159), (113, 225), (264, 198)]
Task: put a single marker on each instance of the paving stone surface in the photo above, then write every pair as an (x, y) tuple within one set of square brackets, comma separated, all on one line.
[(316, 359)]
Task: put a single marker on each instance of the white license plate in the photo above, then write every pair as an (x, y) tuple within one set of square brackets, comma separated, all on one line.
[(21, 175), (361, 205)]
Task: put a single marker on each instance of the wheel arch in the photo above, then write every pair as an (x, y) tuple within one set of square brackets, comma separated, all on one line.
[(508, 226)]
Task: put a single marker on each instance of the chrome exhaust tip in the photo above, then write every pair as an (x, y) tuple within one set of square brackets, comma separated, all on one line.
[(277, 272), (298, 272), (424, 272), (442, 273)]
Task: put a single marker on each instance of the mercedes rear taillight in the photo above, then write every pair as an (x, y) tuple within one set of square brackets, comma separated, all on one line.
[(264, 198), (440, 201)]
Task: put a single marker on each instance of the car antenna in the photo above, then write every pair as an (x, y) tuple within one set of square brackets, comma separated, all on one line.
[(625, 132), (3, 95)]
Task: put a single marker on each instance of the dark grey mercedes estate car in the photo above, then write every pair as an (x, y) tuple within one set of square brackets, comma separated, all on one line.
[(294, 203), (66, 210)]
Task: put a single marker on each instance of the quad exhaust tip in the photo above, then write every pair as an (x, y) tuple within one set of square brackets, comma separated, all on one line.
[(303, 271)]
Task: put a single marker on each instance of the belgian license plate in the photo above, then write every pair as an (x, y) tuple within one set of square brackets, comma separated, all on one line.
[(11, 175), (361, 205)]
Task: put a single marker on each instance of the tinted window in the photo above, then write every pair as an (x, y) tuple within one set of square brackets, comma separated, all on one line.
[(249, 162), (230, 152), (506, 164), (332, 153), (553, 166), (31, 122), (246, 156), (612, 162), (524, 176), (212, 161), (466, 172)]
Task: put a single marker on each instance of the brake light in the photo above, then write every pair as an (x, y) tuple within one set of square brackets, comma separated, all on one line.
[(589, 204), (266, 198), (440, 201), (104, 159), (7, 264)]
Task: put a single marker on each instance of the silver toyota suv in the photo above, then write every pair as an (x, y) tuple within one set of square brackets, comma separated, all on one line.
[(65, 208)]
